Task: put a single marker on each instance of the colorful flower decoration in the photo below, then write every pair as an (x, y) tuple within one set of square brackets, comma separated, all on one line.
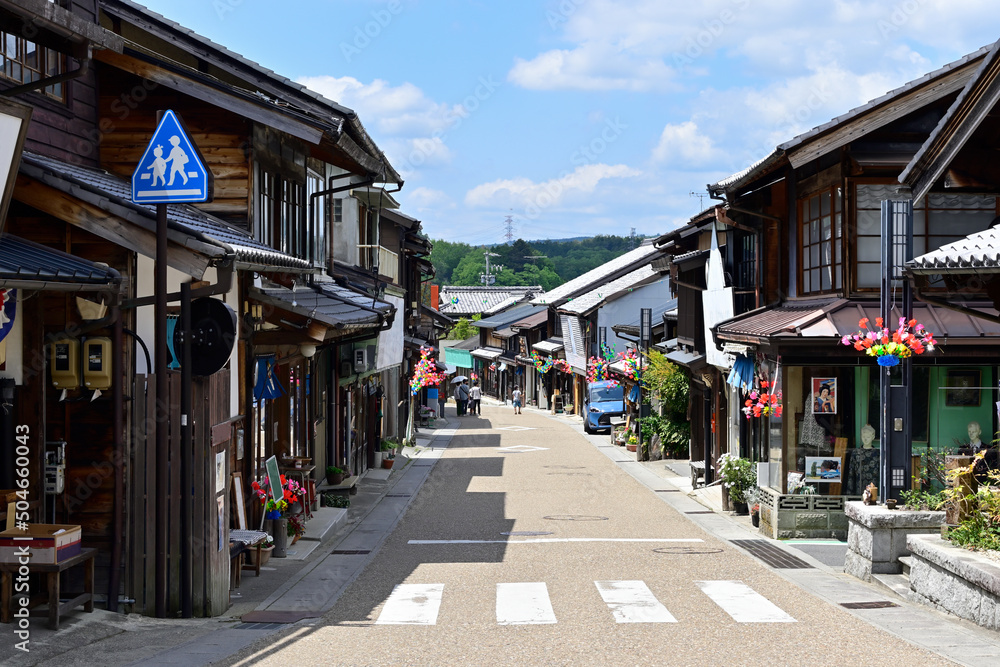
[(763, 401), (473, 376), (630, 360), (542, 365), (493, 367), (425, 373), (908, 339), (562, 365), (598, 368)]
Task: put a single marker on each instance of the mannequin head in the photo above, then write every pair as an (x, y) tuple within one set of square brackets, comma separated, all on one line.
[(975, 431), (867, 436)]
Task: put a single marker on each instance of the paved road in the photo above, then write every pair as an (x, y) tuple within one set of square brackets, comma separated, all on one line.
[(528, 546)]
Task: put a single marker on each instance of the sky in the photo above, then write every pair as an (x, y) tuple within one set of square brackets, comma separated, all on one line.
[(584, 117)]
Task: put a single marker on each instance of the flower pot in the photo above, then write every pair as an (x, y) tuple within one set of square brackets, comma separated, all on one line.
[(265, 555), (742, 509), (755, 519), (335, 479), (632, 446), (387, 463)]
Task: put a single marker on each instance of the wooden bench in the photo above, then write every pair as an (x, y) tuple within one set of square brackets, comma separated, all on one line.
[(697, 472), (51, 572)]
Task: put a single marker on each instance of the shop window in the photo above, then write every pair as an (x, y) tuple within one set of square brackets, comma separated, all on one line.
[(281, 222), (938, 219), (821, 234), (23, 61)]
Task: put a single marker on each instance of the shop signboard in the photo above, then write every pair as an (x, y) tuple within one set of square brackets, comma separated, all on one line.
[(14, 118)]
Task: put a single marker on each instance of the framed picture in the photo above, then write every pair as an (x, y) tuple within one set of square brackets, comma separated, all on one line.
[(238, 501), (962, 388), (823, 469), (824, 395), (220, 471)]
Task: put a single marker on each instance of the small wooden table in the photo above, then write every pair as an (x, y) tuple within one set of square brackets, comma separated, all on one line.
[(52, 572)]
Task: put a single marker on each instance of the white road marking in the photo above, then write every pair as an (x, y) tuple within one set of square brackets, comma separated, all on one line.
[(412, 604), (547, 540), (743, 603), (524, 604), (515, 428), (633, 602), (521, 448)]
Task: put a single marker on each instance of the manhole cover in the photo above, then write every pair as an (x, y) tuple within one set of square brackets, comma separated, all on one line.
[(686, 551), (879, 604), (575, 517), (528, 533)]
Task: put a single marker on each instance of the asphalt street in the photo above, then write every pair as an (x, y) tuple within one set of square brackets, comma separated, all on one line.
[(527, 545)]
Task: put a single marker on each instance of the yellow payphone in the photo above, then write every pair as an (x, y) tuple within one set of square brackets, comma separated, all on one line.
[(64, 363), (97, 363)]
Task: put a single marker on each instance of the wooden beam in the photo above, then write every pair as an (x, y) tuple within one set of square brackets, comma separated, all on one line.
[(283, 337), (109, 227), (211, 95)]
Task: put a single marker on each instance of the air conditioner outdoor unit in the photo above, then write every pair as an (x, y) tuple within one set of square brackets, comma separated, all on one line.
[(360, 361)]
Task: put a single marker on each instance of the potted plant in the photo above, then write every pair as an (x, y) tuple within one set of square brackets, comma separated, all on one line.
[(276, 509), (335, 475), (737, 475), (265, 552), (296, 527), (752, 498), (388, 452), (632, 443)]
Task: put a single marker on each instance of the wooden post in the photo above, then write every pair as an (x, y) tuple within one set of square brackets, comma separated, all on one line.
[(963, 485)]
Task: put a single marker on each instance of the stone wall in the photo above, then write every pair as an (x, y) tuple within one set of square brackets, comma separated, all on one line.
[(955, 580), (802, 516), (876, 537)]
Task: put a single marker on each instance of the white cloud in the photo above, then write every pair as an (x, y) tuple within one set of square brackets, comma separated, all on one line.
[(569, 189), (424, 199), (683, 144), (591, 67)]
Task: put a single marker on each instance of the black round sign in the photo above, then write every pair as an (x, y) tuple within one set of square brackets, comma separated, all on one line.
[(213, 334)]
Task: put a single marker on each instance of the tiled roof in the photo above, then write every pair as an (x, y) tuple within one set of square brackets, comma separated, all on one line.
[(532, 321), (457, 301), (761, 165), (665, 306), (840, 317), (100, 187), (21, 260), (976, 253), (335, 306), (488, 353), (599, 276), (597, 297), (508, 317)]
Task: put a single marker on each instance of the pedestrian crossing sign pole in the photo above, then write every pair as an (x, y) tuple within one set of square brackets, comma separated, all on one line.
[(171, 171)]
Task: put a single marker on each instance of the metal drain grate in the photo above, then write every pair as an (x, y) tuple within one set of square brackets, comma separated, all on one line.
[(259, 626), (575, 517), (773, 555), (422, 465), (350, 552), (700, 512), (667, 490), (879, 604), (397, 495)]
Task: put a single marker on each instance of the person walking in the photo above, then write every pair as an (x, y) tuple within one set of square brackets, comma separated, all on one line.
[(475, 398), (457, 395), (442, 399), (463, 395), (515, 397)]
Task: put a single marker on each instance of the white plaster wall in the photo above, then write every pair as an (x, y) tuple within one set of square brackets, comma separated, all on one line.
[(14, 368), (345, 234), (625, 310), (390, 343)]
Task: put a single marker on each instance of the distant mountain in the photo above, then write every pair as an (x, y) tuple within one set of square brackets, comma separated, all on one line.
[(548, 263)]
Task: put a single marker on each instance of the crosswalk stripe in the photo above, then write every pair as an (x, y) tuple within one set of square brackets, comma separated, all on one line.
[(633, 602), (412, 604), (524, 604), (743, 603)]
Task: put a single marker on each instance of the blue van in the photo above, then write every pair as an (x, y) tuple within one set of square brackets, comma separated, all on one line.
[(604, 401)]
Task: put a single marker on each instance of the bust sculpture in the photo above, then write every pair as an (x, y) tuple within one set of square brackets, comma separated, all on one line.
[(867, 436), (975, 433)]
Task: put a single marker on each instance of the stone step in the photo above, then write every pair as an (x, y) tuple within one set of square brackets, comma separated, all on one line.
[(898, 584), (905, 562)]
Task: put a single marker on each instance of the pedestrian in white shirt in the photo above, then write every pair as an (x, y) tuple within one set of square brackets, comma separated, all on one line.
[(475, 398), (516, 398)]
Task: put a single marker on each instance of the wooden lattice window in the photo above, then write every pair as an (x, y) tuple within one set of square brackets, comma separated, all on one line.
[(23, 61), (821, 232)]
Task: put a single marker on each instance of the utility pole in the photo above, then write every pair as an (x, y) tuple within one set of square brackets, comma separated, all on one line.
[(490, 278), (509, 227)]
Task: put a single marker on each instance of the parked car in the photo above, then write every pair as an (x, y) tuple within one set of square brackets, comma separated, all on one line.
[(604, 401)]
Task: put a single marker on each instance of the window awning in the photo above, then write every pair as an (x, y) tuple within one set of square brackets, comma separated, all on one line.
[(322, 310), (549, 346), (28, 265), (687, 359), (488, 353)]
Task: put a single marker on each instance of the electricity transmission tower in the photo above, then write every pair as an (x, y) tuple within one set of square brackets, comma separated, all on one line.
[(509, 227), (632, 239)]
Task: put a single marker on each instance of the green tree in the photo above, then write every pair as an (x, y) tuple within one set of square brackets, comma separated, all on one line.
[(464, 328)]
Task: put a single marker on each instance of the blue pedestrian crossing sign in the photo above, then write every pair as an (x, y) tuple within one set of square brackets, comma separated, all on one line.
[(171, 170)]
